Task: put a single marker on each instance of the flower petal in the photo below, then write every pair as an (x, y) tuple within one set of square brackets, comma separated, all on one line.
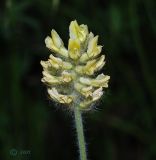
[(74, 48), (57, 41)]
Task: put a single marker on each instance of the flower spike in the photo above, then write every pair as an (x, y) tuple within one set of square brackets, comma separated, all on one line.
[(69, 74)]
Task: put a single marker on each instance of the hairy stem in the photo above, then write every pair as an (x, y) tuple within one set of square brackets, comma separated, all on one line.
[(80, 133)]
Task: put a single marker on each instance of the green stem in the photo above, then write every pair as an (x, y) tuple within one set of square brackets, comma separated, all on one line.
[(80, 133)]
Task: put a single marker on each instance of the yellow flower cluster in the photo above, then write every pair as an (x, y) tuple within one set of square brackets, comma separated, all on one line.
[(69, 73)]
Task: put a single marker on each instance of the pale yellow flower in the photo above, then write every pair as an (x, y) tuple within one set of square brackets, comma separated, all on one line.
[(100, 80), (55, 44), (93, 50), (59, 97), (78, 32), (69, 74), (91, 66)]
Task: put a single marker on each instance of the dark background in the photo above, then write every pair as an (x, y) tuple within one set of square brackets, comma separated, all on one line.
[(123, 125)]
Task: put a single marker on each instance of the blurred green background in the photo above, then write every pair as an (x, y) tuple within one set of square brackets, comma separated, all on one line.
[(123, 125)]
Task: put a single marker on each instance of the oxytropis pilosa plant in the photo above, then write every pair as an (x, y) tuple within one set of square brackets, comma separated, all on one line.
[(69, 74)]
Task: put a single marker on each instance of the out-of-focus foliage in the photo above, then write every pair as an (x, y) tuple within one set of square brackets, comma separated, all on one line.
[(123, 125)]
